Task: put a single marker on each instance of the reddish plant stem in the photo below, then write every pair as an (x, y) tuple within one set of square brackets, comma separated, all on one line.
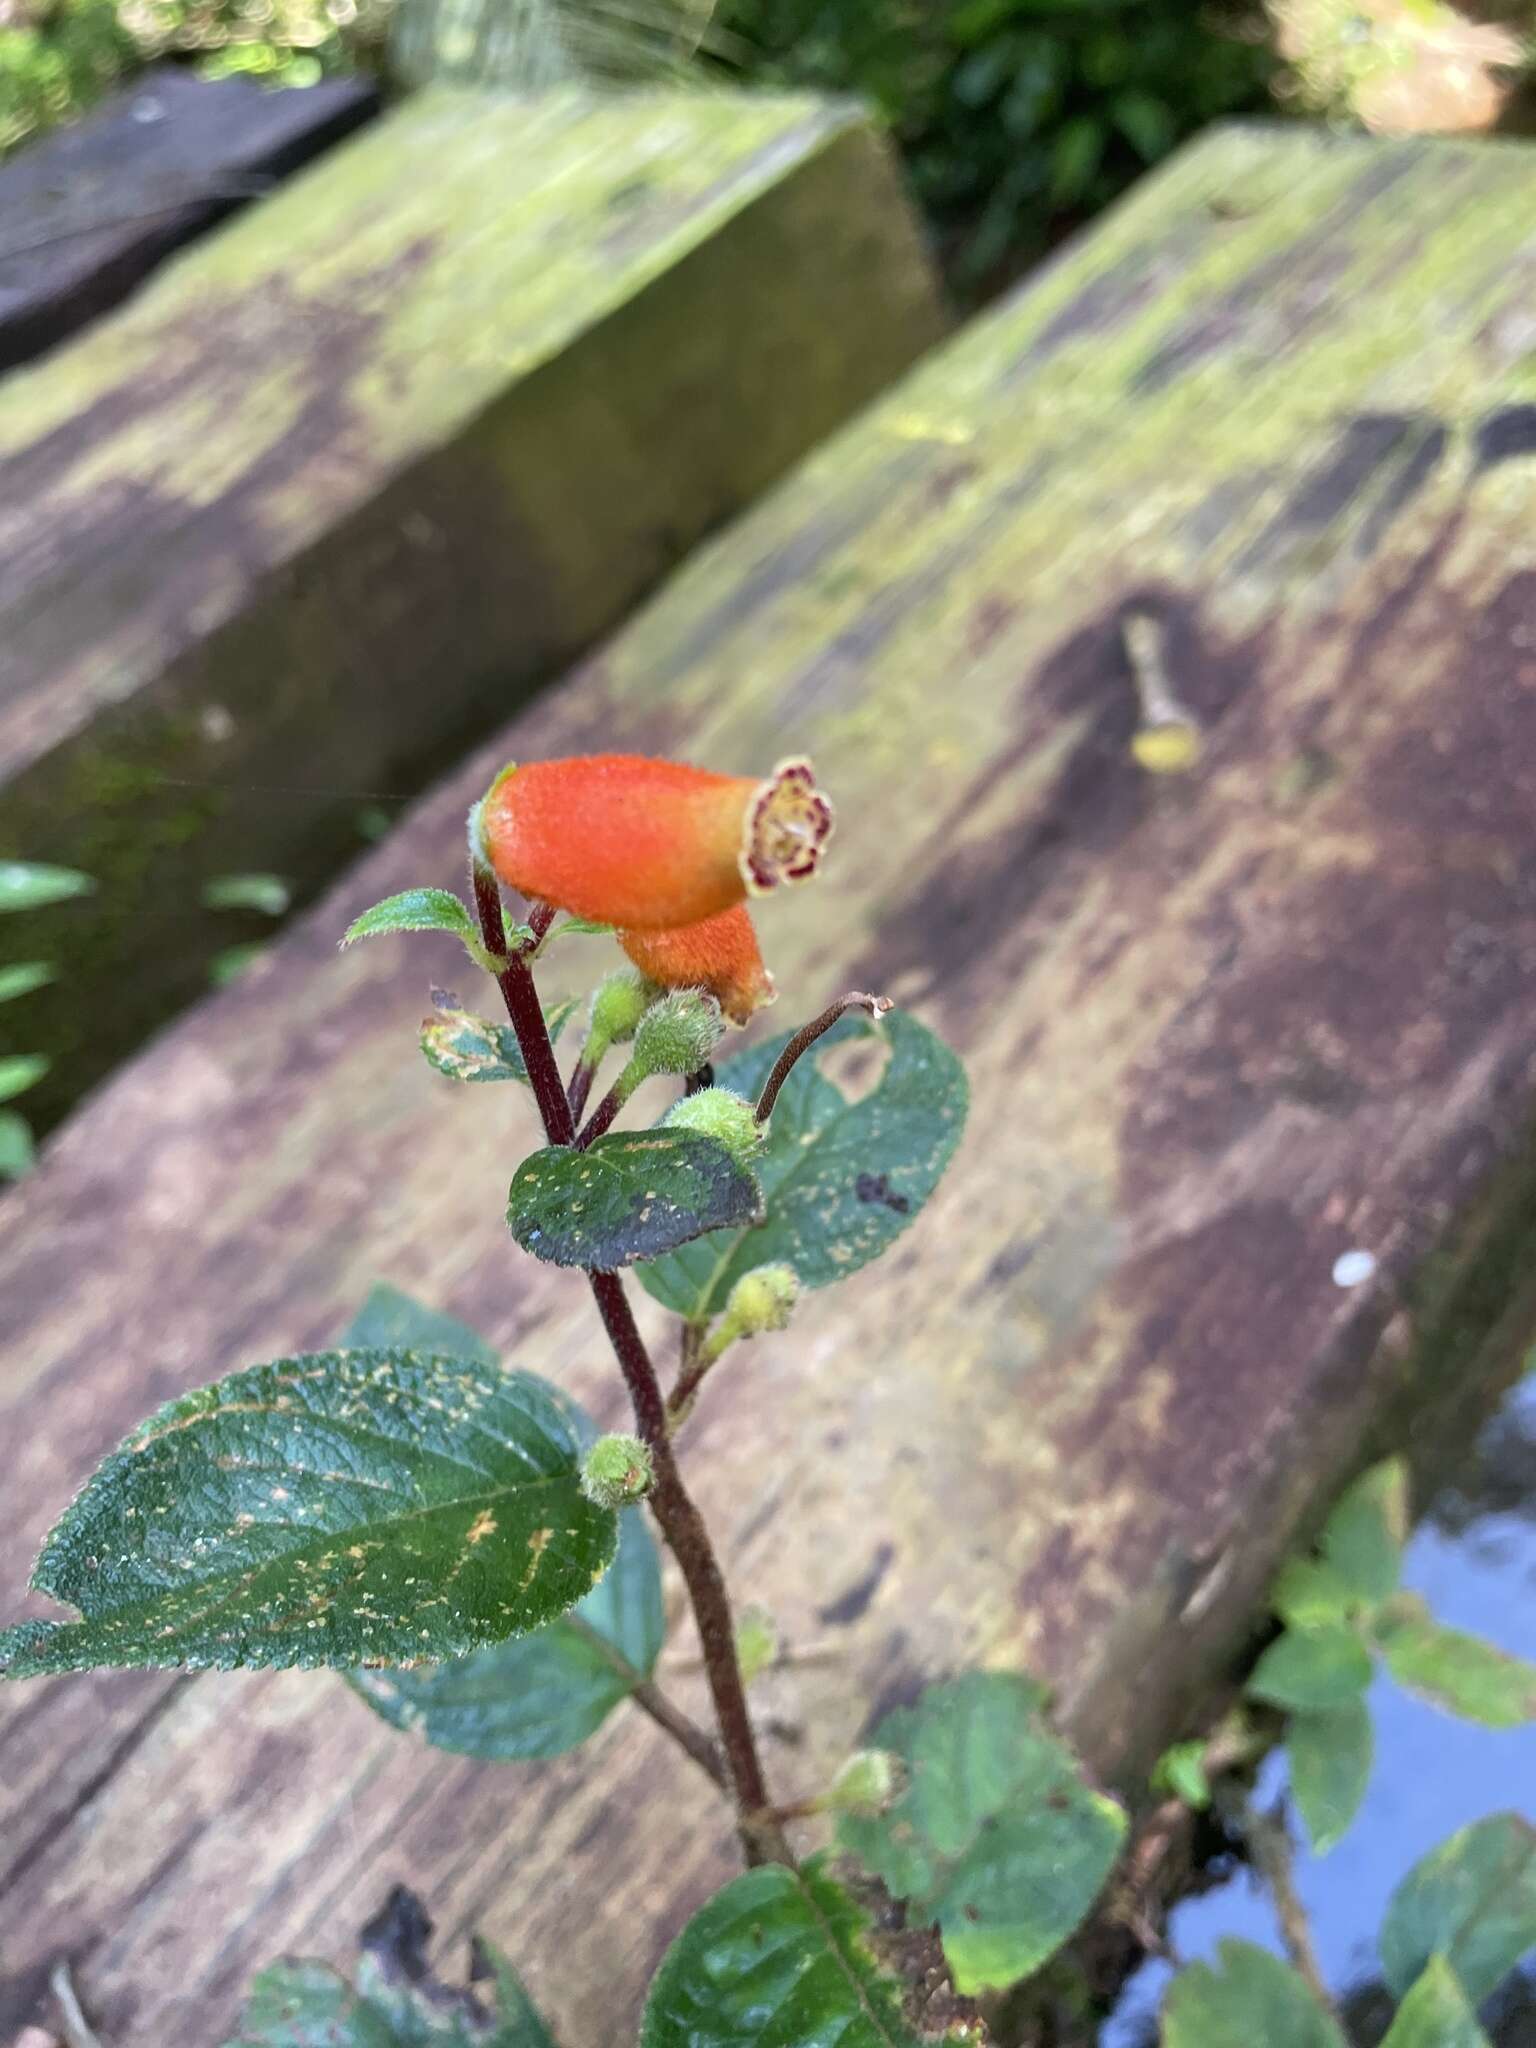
[(762, 1838), (601, 1117), (805, 1038), (762, 1835), (583, 1074), (515, 981)]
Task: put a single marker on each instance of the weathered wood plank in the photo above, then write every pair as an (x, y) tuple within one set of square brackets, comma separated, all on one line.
[(93, 207), (350, 478), (1222, 1028)]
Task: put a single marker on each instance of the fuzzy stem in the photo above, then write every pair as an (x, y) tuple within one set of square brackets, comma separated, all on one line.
[(583, 1074), (650, 1699), (605, 1112), (806, 1037), (762, 1836), (515, 981)]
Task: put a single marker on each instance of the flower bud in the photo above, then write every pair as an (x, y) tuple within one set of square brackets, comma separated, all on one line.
[(719, 1114), (617, 1472), (763, 1299), (678, 1034), (870, 1782), (719, 954), (651, 845), (618, 1004)]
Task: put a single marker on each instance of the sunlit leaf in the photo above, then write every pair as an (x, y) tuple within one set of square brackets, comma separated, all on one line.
[(1180, 1770), (1473, 1901), (330, 1509), (1458, 1672), (1436, 2014), (628, 1196), (1310, 1594), (1329, 1752), (578, 927), (997, 1836), (1248, 1999), (1309, 1668), (24, 885), (413, 910), (795, 1959), (841, 1180)]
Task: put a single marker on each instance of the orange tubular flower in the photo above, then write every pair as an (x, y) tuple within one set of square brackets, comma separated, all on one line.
[(651, 845), (719, 954)]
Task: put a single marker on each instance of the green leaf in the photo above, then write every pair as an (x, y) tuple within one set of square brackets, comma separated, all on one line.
[(1473, 1901), (1436, 2014), (1308, 1668), (841, 1179), (578, 927), (414, 910), (230, 962), (24, 885), (338, 1508), (16, 1148), (1250, 1999), (792, 1959), (20, 1072), (398, 2002), (1180, 1770), (25, 976), (540, 1694), (391, 1321), (470, 1048), (1330, 1754), (1458, 1672), (630, 1195), (268, 894), (997, 1836), (1310, 1594), (1364, 1536)]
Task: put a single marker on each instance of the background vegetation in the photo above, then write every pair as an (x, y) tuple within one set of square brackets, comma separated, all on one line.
[(1017, 118)]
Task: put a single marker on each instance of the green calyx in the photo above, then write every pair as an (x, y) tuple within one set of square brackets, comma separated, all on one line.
[(717, 1113), (617, 1472), (678, 1034)]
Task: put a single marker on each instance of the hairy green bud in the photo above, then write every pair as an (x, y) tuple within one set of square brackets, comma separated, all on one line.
[(870, 1782), (719, 1114), (618, 1004), (763, 1299), (617, 1472), (678, 1034)]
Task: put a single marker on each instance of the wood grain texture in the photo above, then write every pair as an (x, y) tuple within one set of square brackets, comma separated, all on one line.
[(352, 477), (90, 209), (1221, 1028)]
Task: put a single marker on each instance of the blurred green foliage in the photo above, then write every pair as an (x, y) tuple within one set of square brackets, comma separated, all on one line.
[(58, 56), (1016, 118)]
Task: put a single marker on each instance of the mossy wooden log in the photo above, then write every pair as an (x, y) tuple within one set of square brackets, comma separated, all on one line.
[(1223, 1027), (346, 481), (91, 209)]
